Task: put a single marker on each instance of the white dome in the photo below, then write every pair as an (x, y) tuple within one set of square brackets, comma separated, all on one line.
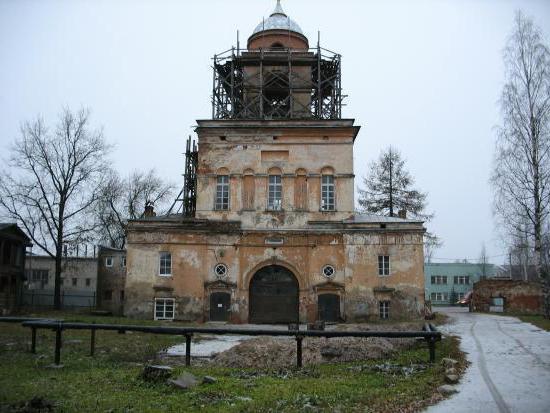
[(278, 20)]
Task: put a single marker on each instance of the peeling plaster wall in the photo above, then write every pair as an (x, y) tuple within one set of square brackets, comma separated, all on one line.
[(355, 258), (247, 237), (234, 153)]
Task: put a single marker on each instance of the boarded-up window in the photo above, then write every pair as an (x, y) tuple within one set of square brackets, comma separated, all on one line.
[(300, 192), (248, 192)]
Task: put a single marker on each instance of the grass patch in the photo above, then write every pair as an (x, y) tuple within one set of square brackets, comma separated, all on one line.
[(537, 320), (109, 382)]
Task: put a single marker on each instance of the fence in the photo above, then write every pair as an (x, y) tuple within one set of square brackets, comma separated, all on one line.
[(44, 298), (429, 334)]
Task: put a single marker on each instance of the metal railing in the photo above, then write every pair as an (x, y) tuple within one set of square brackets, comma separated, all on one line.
[(429, 333)]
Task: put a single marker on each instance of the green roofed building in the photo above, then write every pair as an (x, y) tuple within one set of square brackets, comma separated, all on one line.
[(446, 283)]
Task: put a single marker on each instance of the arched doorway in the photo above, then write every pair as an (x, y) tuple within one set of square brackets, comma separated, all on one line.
[(273, 296)]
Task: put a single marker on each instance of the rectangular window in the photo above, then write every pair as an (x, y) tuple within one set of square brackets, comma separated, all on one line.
[(440, 296), (88, 282), (74, 282), (275, 193), (123, 261), (164, 308), (384, 308), (165, 263), (40, 276), (327, 193), (107, 294), (108, 261), (439, 279), (459, 296), (462, 279), (383, 265), (121, 295), (222, 193)]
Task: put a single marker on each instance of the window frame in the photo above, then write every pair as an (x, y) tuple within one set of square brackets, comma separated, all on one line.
[(88, 282), (109, 261), (384, 270), (222, 200), (328, 191), (384, 309), (162, 255), (330, 268), (74, 282), (123, 261), (223, 275), (39, 275), (461, 280), (274, 188), (443, 278), (444, 296), (164, 300)]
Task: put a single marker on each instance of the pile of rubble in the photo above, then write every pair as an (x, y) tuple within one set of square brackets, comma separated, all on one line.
[(274, 352)]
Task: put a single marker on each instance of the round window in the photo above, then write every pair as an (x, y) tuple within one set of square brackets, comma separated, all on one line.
[(328, 271), (220, 270)]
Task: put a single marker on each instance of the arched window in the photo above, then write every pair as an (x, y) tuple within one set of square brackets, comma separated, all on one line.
[(277, 46)]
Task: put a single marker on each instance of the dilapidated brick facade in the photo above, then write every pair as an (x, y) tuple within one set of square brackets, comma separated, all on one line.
[(273, 235), (513, 296)]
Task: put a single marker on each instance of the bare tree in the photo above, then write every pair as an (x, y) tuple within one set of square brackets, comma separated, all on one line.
[(124, 199), (388, 189), (431, 243), (53, 184), (521, 175), (483, 261)]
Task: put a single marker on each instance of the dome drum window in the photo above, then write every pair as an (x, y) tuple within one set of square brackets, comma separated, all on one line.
[(328, 271), (220, 271)]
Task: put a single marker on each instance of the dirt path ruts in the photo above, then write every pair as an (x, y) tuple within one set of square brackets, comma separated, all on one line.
[(497, 397)]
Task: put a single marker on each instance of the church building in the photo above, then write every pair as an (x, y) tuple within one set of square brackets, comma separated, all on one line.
[(266, 230)]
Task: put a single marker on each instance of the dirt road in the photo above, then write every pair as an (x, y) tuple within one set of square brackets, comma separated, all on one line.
[(510, 369)]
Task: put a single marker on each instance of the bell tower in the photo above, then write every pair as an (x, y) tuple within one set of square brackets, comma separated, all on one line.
[(276, 153)]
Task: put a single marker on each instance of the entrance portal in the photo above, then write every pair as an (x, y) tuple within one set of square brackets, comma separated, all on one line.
[(329, 307), (219, 306), (273, 296)]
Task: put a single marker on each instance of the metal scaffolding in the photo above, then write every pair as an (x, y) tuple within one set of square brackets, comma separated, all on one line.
[(277, 84), (186, 201)]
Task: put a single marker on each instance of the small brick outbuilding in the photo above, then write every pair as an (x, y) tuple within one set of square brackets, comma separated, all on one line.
[(509, 296)]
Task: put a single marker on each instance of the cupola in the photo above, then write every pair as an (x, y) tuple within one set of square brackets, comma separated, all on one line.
[(278, 31)]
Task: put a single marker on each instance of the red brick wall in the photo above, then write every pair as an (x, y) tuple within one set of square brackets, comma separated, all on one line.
[(519, 296)]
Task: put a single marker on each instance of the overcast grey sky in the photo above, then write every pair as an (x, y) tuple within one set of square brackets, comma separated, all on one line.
[(423, 76)]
